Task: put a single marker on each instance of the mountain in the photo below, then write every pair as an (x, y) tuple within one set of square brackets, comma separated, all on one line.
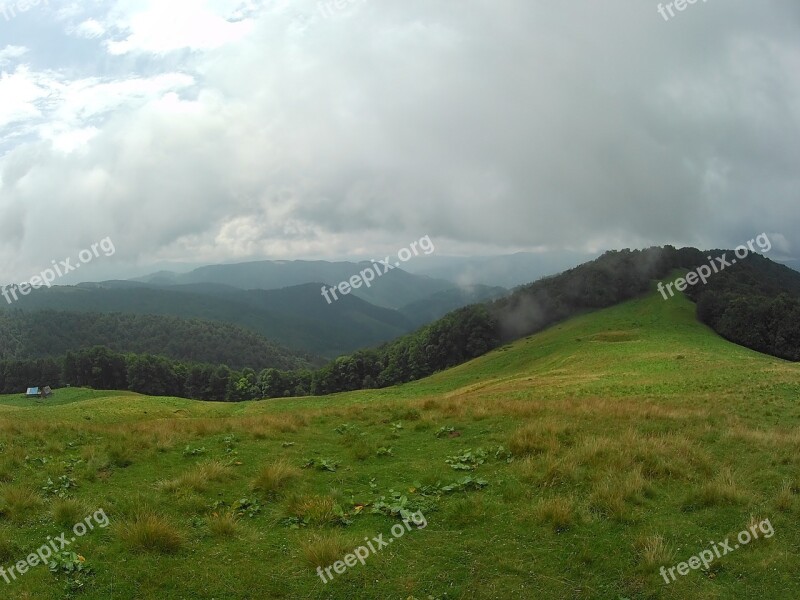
[(393, 289), (297, 317), (51, 334)]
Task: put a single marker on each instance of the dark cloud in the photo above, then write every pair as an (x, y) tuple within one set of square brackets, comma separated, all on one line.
[(504, 125)]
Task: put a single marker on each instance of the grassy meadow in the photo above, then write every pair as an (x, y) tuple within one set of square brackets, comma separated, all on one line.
[(572, 464)]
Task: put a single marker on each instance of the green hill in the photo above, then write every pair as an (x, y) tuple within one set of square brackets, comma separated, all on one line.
[(571, 464)]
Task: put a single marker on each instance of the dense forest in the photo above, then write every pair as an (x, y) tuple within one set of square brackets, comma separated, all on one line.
[(755, 303), (295, 317), (50, 334)]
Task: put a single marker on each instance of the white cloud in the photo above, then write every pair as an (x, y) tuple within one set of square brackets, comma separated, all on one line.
[(159, 27), (89, 29), (9, 53), (20, 92)]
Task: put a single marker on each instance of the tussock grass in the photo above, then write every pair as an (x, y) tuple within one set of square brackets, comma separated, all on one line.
[(557, 513), (469, 511), (151, 532), (264, 426), (224, 525), (7, 470), (720, 491), (362, 448), (608, 501), (317, 510), (19, 503), (9, 550), (119, 453), (198, 478), (67, 512), (323, 549), (547, 472), (653, 552), (785, 498), (274, 478), (536, 438)]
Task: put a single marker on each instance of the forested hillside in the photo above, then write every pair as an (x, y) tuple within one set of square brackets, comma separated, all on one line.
[(51, 334), (756, 304), (297, 317)]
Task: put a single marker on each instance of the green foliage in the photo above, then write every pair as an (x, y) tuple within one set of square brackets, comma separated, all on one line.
[(59, 488), (470, 459), (345, 428), (72, 568), (321, 464), (247, 506), (444, 431), (189, 451), (68, 563)]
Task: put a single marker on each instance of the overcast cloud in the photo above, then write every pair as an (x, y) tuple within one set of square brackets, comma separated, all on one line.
[(213, 131)]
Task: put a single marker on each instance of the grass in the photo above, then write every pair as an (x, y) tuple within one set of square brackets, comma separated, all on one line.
[(198, 478), (323, 549), (273, 478), (151, 532), (223, 526), (637, 435), (19, 503)]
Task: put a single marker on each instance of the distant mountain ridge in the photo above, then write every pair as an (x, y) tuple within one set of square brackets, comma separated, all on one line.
[(393, 289)]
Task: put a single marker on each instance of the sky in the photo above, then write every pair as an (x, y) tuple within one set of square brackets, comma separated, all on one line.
[(208, 131)]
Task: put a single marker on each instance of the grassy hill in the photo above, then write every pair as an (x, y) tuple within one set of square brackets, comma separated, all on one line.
[(638, 438)]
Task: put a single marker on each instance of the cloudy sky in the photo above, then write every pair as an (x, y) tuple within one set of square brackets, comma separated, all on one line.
[(213, 131)]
